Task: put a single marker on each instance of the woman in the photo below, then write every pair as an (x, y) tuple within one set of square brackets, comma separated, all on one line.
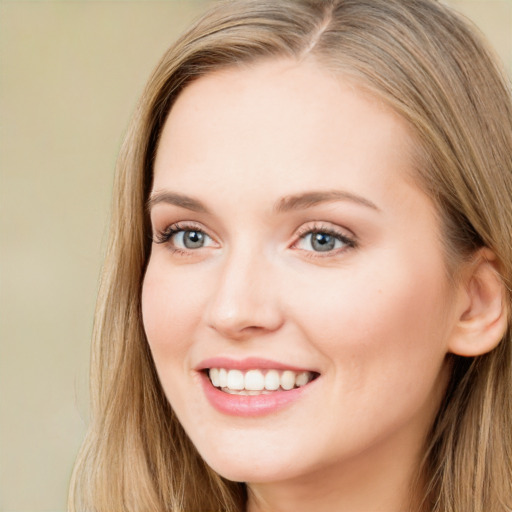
[(305, 303)]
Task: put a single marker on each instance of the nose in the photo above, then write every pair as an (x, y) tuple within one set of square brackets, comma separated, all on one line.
[(245, 301)]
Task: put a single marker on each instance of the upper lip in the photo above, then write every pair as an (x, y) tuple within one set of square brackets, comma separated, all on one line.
[(248, 363)]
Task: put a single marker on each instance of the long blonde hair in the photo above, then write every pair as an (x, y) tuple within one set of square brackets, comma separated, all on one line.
[(433, 69)]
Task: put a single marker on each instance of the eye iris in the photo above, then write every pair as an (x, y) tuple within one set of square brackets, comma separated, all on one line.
[(322, 242), (193, 239)]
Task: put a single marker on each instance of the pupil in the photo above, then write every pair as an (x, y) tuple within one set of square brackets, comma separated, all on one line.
[(323, 242), (193, 239)]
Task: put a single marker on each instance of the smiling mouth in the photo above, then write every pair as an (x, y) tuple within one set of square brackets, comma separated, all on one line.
[(258, 382)]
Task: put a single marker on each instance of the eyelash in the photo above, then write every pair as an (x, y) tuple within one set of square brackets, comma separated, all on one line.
[(349, 242), (164, 237)]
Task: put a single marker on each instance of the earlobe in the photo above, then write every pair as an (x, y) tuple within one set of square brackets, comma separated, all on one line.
[(483, 317)]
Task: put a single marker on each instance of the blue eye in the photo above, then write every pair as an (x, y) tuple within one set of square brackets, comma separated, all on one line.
[(190, 239), (184, 238), (323, 241)]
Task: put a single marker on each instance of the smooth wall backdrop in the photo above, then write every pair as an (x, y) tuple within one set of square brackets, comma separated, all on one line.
[(70, 75)]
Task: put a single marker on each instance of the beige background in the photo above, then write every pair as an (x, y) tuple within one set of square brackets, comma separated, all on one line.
[(70, 74)]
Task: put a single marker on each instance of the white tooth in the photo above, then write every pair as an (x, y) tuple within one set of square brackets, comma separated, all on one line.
[(254, 380), (235, 380), (223, 378), (214, 376), (302, 379), (272, 381), (288, 380)]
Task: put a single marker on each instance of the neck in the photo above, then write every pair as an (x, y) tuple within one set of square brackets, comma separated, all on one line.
[(371, 482)]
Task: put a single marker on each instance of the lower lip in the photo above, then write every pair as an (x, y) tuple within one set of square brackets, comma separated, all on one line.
[(250, 405)]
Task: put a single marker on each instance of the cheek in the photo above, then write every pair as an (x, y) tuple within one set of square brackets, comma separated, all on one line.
[(383, 339), (171, 304), (380, 327)]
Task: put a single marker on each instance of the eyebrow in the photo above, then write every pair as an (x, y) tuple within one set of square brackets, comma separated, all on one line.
[(183, 201), (288, 203), (309, 199)]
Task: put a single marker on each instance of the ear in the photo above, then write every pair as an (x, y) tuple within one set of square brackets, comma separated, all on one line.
[(482, 319)]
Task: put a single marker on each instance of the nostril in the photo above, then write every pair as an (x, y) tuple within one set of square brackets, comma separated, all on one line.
[(240, 329), (243, 305)]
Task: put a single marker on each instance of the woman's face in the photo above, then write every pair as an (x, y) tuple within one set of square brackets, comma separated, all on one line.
[(292, 249)]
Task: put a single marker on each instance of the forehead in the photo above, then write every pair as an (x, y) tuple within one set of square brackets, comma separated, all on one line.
[(281, 126)]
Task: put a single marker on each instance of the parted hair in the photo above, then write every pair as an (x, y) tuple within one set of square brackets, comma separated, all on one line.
[(432, 68)]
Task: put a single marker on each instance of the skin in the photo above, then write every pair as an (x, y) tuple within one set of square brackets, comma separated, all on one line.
[(374, 319)]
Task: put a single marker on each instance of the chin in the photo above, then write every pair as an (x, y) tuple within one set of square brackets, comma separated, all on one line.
[(249, 471), (256, 462)]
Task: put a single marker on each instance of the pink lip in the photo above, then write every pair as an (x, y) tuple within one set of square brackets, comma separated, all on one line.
[(248, 363), (246, 405)]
